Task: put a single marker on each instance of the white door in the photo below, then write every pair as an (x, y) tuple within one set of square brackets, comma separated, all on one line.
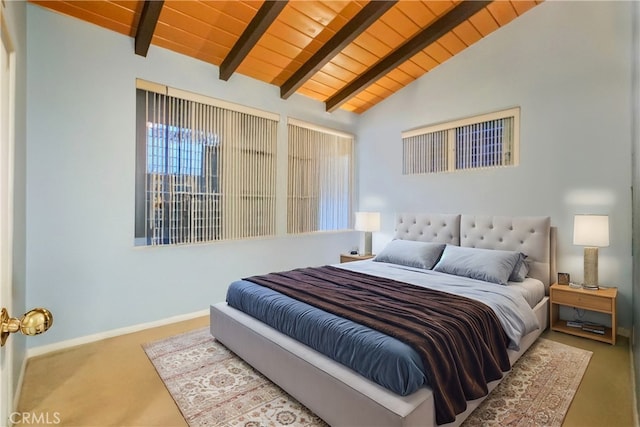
[(7, 73)]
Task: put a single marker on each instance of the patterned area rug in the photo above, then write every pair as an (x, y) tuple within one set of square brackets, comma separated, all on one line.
[(213, 387)]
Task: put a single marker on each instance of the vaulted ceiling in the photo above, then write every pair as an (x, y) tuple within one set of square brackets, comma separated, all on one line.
[(347, 54)]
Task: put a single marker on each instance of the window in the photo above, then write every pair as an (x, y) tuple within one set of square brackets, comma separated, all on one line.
[(320, 187), (486, 141), (203, 172)]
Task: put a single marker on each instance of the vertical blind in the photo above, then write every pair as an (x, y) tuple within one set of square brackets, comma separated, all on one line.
[(204, 173), (486, 144), (425, 153), (320, 179)]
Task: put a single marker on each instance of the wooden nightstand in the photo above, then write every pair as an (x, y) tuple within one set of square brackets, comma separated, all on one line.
[(601, 300), (357, 257)]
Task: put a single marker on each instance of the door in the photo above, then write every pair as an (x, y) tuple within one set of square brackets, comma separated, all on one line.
[(7, 74)]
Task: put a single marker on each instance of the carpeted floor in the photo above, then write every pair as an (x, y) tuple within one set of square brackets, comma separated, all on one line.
[(213, 387)]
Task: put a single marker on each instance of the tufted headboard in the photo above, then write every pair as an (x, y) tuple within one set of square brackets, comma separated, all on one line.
[(532, 236), (440, 228)]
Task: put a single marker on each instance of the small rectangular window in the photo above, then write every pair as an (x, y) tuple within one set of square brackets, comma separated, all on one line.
[(486, 141)]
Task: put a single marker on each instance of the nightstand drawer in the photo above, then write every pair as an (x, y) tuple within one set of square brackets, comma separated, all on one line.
[(583, 300)]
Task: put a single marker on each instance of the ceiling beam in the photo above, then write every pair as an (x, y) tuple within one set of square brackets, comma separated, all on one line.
[(267, 13), (147, 25), (424, 38), (367, 16)]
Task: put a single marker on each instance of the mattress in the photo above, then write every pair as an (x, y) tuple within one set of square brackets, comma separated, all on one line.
[(376, 356)]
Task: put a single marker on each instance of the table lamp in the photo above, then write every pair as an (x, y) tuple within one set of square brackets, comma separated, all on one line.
[(367, 222), (592, 232)]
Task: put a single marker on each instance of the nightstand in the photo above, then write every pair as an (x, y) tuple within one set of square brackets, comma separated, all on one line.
[(356, 257), (601, 300)]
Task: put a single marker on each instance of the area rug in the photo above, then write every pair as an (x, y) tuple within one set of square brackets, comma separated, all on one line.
[(214, 387)]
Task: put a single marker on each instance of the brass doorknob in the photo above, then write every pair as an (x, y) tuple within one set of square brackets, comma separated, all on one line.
[(33, 322)]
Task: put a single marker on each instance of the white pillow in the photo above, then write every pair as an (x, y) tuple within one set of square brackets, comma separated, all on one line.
[(411, 253)]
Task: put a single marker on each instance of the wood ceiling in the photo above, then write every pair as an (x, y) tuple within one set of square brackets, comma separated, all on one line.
[(347, 54)]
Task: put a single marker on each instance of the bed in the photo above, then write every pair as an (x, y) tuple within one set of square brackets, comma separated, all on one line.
[(344, 397)]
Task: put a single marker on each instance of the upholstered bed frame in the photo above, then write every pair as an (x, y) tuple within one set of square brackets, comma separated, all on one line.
[(344, 398)]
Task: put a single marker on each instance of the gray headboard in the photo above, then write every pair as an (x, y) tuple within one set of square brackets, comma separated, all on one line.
[(532, 236)]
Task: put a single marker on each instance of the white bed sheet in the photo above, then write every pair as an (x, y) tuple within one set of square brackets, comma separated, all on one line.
[(531, 289)]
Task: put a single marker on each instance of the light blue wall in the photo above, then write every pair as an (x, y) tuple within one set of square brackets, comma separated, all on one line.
[(568, 66), (82, 264)]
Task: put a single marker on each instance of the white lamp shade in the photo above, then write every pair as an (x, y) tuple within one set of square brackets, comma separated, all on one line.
[(367, 221), (591, 230)]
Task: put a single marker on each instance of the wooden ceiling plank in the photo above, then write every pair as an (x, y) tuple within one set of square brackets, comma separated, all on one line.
[(311, 94), (203, 55), (370, 43), (258, 69), (437, 52), (270, 56), (189, 40), (346, 63), (301, 22), (503, 12), (439, 8), (484, 22), (417, 12), (467, 33), (319, 88), (411, 68), (452, 43), (389, 84), (87, 15), (380, 90), (328, 80), (424, 38), (281, 46), (340, 72), (386, 33), (182, 22), (400, 76), (267, 13), (208, 13), (339, 41), (425, 61), (521, 6), (147, 25), (357, 53)]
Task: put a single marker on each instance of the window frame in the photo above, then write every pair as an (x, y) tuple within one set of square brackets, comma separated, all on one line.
[(229, 158), (450, 153)]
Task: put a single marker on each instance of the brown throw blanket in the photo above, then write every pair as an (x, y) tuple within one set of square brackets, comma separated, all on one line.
[(460, 340)]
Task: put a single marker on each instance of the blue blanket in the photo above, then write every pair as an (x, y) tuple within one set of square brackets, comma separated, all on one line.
[(374, 355)]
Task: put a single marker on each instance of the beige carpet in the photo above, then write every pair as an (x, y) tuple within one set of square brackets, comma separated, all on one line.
[(213, 387)]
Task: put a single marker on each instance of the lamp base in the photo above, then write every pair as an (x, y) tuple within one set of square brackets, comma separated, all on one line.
[(590, 268), (367, 243)]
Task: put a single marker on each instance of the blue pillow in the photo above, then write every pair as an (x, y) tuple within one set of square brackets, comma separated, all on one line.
[(490, 265), (411, 253), (521, 269)]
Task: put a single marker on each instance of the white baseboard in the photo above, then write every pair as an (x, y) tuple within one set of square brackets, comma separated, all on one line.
[(44, 349)]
